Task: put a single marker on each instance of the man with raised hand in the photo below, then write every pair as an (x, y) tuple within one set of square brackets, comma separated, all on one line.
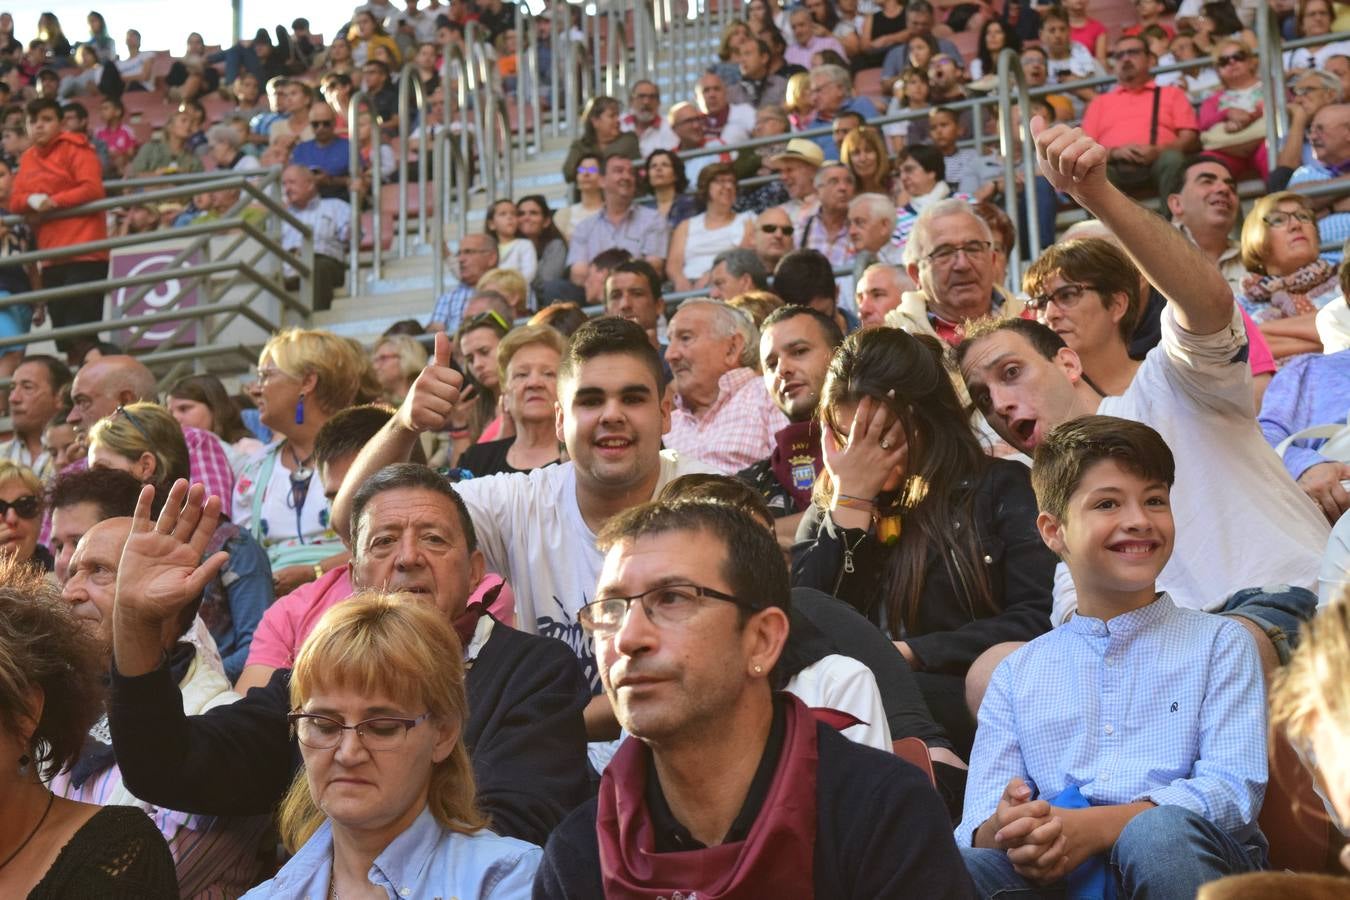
[(537, 529)]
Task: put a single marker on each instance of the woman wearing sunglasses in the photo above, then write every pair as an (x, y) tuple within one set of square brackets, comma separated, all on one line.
[(1232, 123), (21, 515), (385, 803), (591, 197), (146, 441)]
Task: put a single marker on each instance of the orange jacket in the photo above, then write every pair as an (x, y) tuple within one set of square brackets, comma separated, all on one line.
[(67, 170)]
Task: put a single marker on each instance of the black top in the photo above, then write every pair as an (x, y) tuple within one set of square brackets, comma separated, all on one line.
[(525, 736), (950, 633), (881, 832), (118, 853), (489, 458)]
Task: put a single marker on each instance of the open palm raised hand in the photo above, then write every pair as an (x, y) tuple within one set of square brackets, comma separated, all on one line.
[(162, 570)]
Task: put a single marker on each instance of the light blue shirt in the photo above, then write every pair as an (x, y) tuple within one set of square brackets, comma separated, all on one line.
[(1334, 226), (425, 861), (1160, 704)]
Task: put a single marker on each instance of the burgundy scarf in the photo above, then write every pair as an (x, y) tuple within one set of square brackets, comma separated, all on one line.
[(796, 461), (775, 860)]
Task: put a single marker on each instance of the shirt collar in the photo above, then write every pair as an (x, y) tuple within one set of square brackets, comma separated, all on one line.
[(727, 385), (1125, 623), (1146, 86), (399, 865)]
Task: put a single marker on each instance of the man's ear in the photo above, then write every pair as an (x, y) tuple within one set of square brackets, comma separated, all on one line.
[(765, 636), (1051, 529), (1174, 205), (1070, 364)]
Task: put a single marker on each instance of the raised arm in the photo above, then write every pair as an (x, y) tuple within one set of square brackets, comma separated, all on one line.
[(427, 407), (1076, 164)]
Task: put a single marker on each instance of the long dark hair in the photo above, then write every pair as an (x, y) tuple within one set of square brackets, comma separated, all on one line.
[(225, 418), (1011, 39), (549, 233), (681, 179), (906, 373)]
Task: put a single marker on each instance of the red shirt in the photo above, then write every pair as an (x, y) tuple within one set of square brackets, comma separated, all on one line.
[(1122, 116), (1087, 34)]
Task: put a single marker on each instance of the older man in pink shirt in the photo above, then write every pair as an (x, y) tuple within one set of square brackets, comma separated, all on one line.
[(805, 42)]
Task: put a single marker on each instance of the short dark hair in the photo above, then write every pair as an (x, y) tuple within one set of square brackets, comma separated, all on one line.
[(347, 432), (35, 107), (114, 492), (712, 488), (609, 259), (609, 158), (829, 328), (1042, 338), (1191, 162), (803, 276), (410, 476), (774, 39), (1097, 263), (752, 565), (742, 261), (927, 156), (1055, 12), (379, 63), (1074, 446), (919, 6), (609, 335), (58, 373), (115, 103), (638, 267), (80, 112)]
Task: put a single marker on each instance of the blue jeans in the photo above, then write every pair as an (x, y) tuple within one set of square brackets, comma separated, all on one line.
[(1277, 609), (1165, 853)]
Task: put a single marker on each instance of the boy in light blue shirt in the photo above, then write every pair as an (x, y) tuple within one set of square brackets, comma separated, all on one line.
[(1125, 750)]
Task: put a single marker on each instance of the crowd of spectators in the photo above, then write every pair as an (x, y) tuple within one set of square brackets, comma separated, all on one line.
[(821, 561)]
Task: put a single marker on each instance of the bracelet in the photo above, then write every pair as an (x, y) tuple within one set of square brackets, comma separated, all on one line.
[(848, 501), (318, 571)]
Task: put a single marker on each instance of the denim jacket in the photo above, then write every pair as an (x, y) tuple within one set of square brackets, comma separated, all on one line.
[(425, 861)]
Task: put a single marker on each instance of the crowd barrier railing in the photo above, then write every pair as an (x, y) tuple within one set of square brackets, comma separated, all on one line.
[(410, 92), (358, 100)]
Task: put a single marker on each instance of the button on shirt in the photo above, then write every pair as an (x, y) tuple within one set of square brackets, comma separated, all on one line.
[(641, 231), (1160, 704), (425, 860), (331, 222), (733, 433)]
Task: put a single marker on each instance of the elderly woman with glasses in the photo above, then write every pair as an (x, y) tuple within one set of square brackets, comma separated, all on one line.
[(527, 370), (1232, 124), (21, 515), (145, 441), (385, 803), (1288, 282), (1314, 19), (304, 378)]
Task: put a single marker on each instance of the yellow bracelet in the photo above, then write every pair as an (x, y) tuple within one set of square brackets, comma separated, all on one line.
[(318, 571)]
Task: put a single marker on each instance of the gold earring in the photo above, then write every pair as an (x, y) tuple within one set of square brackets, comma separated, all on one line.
[(759, 670)]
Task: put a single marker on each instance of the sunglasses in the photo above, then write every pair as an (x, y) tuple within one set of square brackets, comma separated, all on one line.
[(1232, 58), (26, 506), (774, 229), (135, 422), (490, 317), (588, 170), (321, 123)]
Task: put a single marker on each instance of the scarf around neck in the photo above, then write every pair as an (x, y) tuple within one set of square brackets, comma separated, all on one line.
[(1304, 282), (776, 859)]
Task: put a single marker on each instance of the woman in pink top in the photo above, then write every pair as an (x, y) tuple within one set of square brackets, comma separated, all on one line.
[(1086, 31)]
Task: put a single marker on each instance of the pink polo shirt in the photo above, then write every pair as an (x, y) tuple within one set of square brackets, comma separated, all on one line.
[(287, 622), (1122, 116)]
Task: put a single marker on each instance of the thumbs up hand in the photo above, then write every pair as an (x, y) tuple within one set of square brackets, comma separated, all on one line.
[(434, 394)]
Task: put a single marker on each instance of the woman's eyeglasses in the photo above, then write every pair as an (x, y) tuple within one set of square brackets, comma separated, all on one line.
[(1065, 297), (383, 733), (27, 507), (135, 422), (1281, 219), (588, 170)]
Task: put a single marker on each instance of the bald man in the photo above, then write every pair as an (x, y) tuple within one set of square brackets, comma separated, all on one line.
[(110, 382), (329, 219)]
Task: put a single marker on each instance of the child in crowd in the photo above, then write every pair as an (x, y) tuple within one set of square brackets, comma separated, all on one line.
[(513, 251), (115, 135), (1150, 13), (1086, 30), (966, 170), (1127, 745), (910, 92)]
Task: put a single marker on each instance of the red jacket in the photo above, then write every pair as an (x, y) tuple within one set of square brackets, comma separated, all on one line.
[(67, 170)]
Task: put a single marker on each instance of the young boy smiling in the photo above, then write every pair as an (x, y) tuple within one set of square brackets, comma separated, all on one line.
[(1127, 747)]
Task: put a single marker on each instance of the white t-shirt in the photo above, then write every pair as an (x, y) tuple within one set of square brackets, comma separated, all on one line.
[(1241, 521), (531, 531), (844, 684)]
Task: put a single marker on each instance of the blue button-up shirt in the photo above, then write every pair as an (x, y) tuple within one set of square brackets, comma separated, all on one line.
[(1160, 704), (1310, 390), (424, 861)]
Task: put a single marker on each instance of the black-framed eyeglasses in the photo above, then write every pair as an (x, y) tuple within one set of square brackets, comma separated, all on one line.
[(787, 230), (322, 123), (26, 506), (377, 734), (1281, 219), (135, 422), (1229, 58), (666, 604), (946, 253), (1066, 296)]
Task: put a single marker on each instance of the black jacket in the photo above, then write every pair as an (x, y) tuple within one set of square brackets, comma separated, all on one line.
[(950, 634), (525, 736), (881, 832)]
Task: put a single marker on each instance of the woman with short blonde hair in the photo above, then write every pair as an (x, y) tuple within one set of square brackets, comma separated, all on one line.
[(527, 366), (21, 519), (379, 710)]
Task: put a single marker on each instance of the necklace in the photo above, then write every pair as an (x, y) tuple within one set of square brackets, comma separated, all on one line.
[(51, 798), (302, 471)]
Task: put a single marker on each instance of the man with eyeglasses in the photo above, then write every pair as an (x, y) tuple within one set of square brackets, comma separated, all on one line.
[(477, 254), (1308, 93), (1329, 137), (329, 220), (326, 155), (727, 787), (690, 127), (773, 236), (645, 120), (1247, 522), (410, 534), (950, 256), (1148, 129), (831, 96)]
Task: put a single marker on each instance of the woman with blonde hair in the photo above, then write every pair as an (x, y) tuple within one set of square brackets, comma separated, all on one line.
[(864, 152), (527, 367), (304, 379), (144, 440), (21, 515), (797, 101), (511, 284), (387, 788), (398, 360)]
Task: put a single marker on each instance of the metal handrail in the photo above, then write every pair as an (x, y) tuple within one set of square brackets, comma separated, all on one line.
[(453, 169), (354, 194), (1010, 77), (410, 82), (486, 104)]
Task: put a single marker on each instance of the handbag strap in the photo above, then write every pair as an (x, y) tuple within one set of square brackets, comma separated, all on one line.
[(1153, 118)]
